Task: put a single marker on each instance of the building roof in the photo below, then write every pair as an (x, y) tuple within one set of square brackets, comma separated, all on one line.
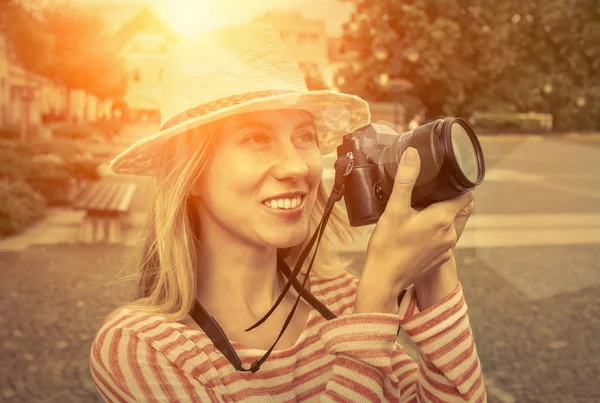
[(147, 22), (122, 20)]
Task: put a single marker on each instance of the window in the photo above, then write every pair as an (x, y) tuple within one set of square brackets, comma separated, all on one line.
[(135, 76)]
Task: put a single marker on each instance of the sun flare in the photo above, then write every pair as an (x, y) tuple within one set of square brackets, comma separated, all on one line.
[(189, 17)]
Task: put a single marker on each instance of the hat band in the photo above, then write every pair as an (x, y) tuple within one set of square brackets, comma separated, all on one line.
[(218, 104)]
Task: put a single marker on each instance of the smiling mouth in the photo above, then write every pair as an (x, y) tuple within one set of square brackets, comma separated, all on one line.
[(286, 203)]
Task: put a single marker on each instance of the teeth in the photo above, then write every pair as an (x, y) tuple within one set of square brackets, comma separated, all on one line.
[(287, 203)]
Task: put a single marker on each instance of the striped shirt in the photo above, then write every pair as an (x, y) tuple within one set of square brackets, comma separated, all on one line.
[(137, 357)]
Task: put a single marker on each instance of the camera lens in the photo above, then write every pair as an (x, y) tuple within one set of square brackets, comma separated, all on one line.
[(464, 152), (452, 160)]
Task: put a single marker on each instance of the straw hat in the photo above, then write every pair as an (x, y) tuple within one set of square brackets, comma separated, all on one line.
[(232, 70)]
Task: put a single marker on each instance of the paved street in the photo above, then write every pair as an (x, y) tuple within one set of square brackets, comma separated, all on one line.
[(529, 262)]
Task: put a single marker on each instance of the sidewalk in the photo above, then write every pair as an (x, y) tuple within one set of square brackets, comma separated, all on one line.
[(62, 226)]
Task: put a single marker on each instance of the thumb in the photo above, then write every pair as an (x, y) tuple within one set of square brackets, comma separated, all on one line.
[(408, 172)]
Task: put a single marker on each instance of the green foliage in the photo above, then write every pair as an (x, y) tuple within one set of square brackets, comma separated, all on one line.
[(73, 131), (48, 166), (67, 46), (20, 206), (23, 29), (520, 122), (482, 55)]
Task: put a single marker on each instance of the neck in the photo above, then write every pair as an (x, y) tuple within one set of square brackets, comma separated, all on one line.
[(234, 277)]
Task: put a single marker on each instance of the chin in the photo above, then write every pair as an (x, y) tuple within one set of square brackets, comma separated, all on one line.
[(285, 238)]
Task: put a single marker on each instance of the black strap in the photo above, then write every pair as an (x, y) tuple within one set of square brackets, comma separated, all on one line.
[(308, 297), (209, 325), (217, 335)]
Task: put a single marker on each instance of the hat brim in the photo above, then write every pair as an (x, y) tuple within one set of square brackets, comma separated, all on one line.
[(335, 114)]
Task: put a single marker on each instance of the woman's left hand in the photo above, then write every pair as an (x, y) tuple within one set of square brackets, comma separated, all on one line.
[(440, 282), (460, 221)]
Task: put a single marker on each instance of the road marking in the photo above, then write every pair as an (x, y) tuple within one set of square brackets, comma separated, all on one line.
[(568, 189), (519, 221), (511, 175), (510, 230)]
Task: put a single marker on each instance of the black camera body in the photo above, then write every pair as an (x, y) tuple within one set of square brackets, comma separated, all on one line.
[(451, 164)]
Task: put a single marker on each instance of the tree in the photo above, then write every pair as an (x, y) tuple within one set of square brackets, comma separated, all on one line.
[(65, 45), (83, 58), (25, 34), (561, 40), (465, 55), (447, 49)]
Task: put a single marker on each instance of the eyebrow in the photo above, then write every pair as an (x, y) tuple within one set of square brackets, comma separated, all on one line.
[(247, 124)]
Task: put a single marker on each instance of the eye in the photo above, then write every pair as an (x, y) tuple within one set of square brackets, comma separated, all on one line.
[(308, 137), (256, 138)]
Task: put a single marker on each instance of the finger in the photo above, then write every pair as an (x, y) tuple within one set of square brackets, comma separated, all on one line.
[(408, 172), (458, 204), (452, 207)]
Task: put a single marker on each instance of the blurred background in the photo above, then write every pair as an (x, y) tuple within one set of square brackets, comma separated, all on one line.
[(80, 82)]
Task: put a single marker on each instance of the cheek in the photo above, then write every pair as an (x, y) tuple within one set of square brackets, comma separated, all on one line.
[(315, 166)]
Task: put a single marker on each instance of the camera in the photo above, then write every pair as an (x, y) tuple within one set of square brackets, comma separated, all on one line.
[(452, 163)]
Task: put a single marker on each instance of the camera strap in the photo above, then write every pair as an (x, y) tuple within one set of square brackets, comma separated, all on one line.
[(342, 166)]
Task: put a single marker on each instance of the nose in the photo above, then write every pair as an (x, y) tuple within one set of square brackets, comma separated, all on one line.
[(290, 164)]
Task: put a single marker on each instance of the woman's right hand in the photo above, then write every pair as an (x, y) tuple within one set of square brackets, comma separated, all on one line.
[(406, 243)]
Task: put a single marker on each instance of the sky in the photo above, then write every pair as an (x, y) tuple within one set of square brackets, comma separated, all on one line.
[(187, 17)]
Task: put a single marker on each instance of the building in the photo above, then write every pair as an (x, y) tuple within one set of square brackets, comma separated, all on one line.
[(306, 39), (144, 42), (27, 100), (338, 60)]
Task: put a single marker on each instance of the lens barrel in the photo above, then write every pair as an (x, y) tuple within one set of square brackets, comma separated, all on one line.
[(452, 161)]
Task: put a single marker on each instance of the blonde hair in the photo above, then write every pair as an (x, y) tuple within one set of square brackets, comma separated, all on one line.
[(166, 258)]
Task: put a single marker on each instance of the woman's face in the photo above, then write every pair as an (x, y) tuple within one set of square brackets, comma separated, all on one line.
[(261, 183)]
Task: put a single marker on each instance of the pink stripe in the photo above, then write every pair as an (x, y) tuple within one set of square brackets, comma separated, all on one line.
[(436, 320), (189, 388), (107, 386), (335, 287), (336, 397), (103, 333), (137, 370), (150, 326), (310, 393), (430, 396), (437, 337), (449, 389), (361, 391), (321, 281), (276, 389), (339, 297), (162, 379), (459, 359), (448, 345), (113, 360)]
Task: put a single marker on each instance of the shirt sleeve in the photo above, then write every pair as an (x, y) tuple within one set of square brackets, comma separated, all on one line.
[(370, 366), (127, 369)]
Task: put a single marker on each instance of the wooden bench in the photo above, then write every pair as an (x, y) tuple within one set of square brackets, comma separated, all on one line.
[(106, 205)]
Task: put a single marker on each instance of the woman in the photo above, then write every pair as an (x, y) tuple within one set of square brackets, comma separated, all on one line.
[(238, 170)]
